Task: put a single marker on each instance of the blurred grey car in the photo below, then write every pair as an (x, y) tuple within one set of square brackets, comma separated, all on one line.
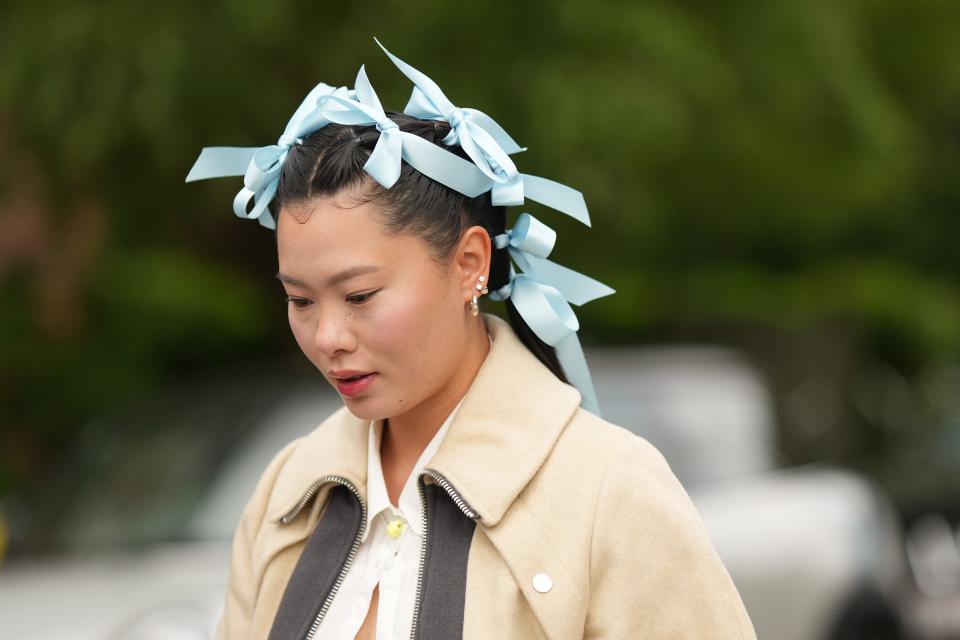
[(138, 546)]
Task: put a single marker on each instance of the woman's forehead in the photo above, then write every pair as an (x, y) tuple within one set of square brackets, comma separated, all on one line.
[(319, 240)]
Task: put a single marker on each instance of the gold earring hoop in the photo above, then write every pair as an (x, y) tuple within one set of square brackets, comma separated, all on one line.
[(482, 288)]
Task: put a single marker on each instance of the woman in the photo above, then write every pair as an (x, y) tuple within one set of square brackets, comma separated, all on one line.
[(462, 490)]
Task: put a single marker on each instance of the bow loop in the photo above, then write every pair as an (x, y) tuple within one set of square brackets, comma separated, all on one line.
[(530, 236), (264, 167)]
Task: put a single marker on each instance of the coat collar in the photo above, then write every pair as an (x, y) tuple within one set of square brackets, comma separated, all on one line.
[(511, 416)]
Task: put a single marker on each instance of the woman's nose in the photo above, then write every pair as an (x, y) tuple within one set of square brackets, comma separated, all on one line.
[(334, 332)]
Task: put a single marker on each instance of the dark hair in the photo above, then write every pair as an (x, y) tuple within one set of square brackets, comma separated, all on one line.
[(330, 161)]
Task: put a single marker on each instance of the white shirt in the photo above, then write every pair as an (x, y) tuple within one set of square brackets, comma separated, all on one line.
[(381, 558)]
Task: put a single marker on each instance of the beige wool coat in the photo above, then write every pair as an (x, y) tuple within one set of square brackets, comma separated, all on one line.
[(557, 491)]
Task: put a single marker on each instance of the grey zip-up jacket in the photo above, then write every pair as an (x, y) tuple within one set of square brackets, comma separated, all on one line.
[(541, 520)]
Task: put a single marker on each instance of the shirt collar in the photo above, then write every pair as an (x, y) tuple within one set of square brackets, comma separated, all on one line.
[(377, 497)]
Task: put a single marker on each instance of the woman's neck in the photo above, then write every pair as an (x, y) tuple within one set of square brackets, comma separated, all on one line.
[(404, 437)]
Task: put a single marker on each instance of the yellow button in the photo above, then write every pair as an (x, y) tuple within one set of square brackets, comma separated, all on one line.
[(395, 527)]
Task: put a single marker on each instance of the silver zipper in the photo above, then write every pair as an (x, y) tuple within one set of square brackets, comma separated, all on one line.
[(461, 504), (308, 494)]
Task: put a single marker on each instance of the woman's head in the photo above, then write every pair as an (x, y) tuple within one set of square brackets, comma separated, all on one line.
[(379, 279)]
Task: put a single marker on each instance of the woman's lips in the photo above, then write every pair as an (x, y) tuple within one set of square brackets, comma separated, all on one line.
[(351, 388)]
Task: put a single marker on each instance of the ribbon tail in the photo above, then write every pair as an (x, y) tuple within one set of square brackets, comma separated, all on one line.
[(220, 162), (420, 79), (260, 201), (574, 363), (383, 165), (420, 106), (575, 286), (550, 317), (446, 168), (267, 221), (365, 91), (556, 196)]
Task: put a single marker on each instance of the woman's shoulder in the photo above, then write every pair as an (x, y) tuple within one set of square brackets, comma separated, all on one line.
[(623, 478), (644, 523), (612, 450)]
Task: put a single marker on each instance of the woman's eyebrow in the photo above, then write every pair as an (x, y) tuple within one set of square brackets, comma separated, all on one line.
[(336, 278)]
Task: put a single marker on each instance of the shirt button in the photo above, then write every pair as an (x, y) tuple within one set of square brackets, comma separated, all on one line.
[(542, 582), (395, 527)]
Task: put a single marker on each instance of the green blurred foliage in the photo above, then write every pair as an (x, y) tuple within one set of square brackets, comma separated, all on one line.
[(750, 167)]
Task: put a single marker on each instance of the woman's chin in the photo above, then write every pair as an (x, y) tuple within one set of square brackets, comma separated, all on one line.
[(365, 408)]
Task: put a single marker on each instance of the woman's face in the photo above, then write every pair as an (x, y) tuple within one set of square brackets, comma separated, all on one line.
[(362, 301)]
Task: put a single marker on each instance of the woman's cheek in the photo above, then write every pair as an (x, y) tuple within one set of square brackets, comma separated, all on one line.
[(392, 324), (301, 333)]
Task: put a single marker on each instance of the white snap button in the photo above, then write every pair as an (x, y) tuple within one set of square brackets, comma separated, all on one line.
[(542, 582)]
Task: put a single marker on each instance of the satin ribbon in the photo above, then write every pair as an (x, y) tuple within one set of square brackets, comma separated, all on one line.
[(394, 145), (542, 293), (261, 166), (486, 142), (489, 146)]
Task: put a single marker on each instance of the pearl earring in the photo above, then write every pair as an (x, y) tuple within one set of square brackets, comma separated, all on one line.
[(482, 288)]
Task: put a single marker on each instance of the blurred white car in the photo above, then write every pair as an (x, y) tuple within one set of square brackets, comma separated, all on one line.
[(138, 548)]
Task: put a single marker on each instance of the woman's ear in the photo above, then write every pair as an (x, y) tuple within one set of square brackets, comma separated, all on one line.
[(472, 259)]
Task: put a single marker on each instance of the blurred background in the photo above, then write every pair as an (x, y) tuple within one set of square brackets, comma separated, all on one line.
[(775, 197)]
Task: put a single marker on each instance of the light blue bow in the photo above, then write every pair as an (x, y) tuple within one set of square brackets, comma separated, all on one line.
[(261, 166), (489, 146), (486, 142), (542, 293), (394, 145)]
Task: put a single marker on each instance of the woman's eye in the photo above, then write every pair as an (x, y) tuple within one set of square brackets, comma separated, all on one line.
[(360, 298), (298, 302)]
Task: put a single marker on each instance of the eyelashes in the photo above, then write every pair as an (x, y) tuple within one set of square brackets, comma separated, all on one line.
[(300, 303), (360, 298), (355, 299)]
